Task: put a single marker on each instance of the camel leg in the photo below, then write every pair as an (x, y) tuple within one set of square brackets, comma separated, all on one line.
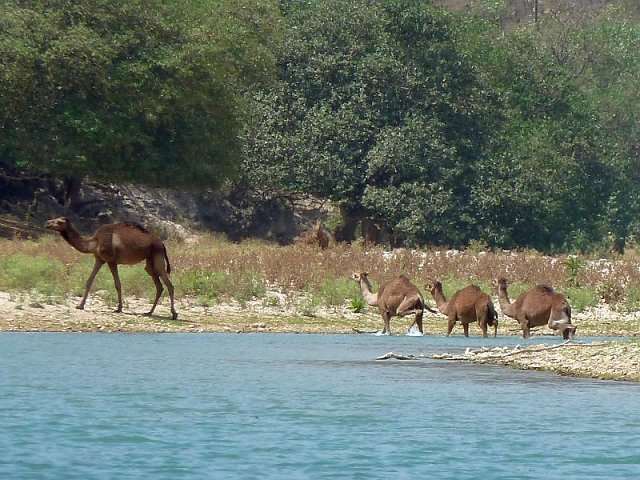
[(158, 284), (418, 320), (386, 318), (450, 324), (526, 330), (483, 326), (407, 307), (465, 328), (161, 271), (482, 314), (116, 280), (96, 268), (167, 282)]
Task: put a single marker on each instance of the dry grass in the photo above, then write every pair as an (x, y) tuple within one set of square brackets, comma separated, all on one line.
[(215, 270)]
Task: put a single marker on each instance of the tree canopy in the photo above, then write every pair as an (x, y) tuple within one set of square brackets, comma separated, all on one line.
[(377, 110), (441, 128), (424, 124), (147, 91)]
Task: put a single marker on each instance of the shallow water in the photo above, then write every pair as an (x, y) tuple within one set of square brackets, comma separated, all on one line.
[(299, 406)]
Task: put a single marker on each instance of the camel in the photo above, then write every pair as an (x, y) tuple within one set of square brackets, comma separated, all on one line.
[(541, 305), (120, 243), (467, 305), (318, 236), (398, 297)]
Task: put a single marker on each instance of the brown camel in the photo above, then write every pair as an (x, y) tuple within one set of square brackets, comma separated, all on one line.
[(539, 306), (467, 305), (399, 297), (120, 243), (319, 235)]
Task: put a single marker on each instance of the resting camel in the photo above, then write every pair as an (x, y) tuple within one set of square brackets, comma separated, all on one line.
[(120, 243), (319, 235), (539, 306), (399, 297), (467, 305)]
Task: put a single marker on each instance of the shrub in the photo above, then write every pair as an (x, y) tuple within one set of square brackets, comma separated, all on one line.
[(22, 272), (358, 305), (581, 298)]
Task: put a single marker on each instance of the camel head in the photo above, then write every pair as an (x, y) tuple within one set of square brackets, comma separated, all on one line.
[(434, 286), (500, 283), (359, 276), (60, 224), (565, 328), (569, 332)]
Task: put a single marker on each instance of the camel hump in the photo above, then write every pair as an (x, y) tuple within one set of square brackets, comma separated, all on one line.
[(545, 289), (469, 289), (137, 226)]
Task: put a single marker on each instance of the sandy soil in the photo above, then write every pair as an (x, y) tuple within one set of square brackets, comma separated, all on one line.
[(619, 360)]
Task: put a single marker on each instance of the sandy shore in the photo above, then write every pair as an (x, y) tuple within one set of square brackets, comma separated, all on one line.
[(619, 360)]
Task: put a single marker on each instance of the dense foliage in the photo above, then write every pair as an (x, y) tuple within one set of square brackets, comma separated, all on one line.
[(376, 109), (140, 90), (440, 128), (424, 124)]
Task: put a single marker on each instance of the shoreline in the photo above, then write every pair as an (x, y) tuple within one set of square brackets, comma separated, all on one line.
[(611, 360)]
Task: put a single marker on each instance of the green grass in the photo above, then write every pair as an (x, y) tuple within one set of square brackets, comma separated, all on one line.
[(25, 273), (581, 298), (334, 291), (631, 301), (357, 304), (215, 271)]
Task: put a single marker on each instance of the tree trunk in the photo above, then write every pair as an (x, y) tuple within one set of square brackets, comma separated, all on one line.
[(350, 219), (71, 194), (618, 245)]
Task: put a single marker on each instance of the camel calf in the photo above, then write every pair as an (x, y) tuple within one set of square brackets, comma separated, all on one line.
[(319, 235)]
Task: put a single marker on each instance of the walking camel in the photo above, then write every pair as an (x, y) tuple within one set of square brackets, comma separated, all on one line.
[(469, 304), (541, 305), (120, 244), (398, 297)]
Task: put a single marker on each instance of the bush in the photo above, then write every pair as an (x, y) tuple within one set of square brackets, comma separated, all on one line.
[(22, 272)]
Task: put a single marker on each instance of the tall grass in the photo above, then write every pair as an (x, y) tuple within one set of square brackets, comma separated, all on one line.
[(215, 270)]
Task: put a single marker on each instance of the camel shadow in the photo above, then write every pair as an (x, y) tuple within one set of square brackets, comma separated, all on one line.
[(154, 317)]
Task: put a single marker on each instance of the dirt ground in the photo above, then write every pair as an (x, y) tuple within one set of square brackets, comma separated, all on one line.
[(618, 360)]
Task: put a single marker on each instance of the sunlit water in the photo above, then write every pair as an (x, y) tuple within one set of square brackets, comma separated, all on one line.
[(258, 406)]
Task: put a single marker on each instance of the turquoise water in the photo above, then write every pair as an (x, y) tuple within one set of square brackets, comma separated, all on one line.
[(256, 406)]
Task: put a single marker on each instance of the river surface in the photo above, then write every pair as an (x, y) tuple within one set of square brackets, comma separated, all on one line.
[(261, 406)]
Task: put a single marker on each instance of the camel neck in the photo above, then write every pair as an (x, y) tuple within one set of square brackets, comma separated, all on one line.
[(365, 287), (441, 301), (77, 241), (503, 299)]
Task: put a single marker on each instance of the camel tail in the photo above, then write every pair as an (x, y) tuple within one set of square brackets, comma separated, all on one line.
[(166, 257), (493, 316)]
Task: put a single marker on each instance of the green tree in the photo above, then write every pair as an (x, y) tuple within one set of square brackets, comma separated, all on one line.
[(548, 169), (376, 110), (606, 57), (145, 91)]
